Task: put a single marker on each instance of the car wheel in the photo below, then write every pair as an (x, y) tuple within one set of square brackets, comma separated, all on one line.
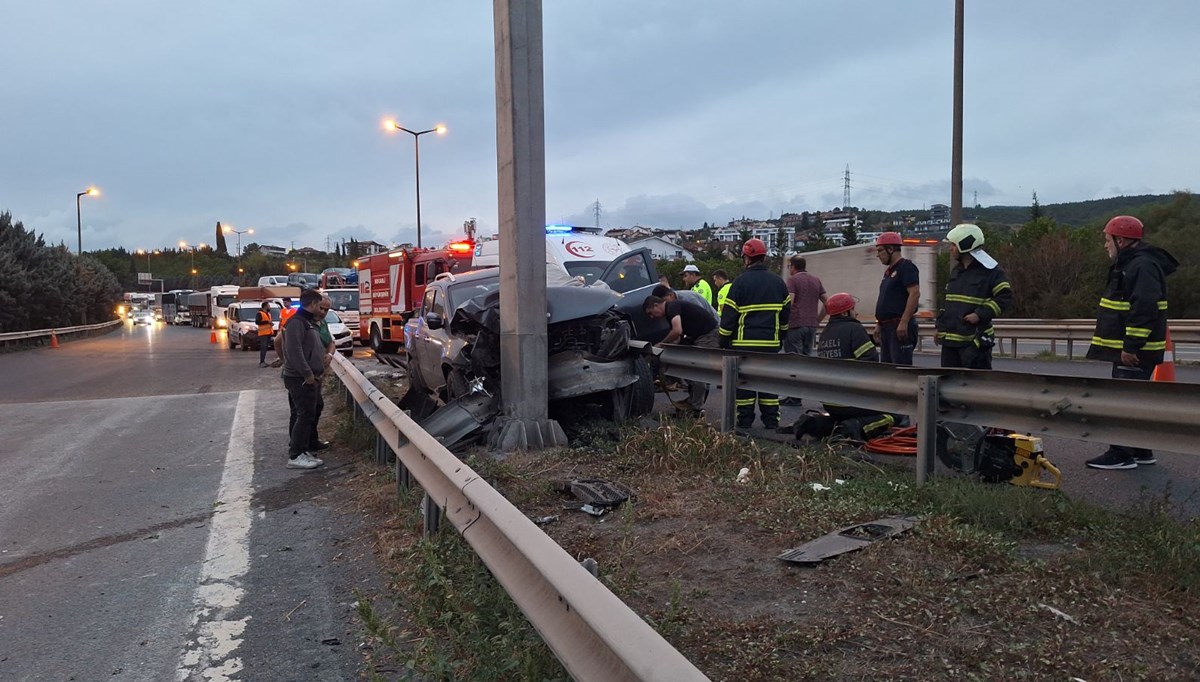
[(456, 384), (379, 345), (636, 399)]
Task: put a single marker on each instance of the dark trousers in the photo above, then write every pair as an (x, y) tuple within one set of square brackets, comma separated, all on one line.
[(1120, 371), (800, 340), (768, 403), (891, 348), (264, 342), (305, 403), (967, 357)]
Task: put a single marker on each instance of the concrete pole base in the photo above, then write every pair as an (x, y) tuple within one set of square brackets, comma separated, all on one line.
[(510, 434)]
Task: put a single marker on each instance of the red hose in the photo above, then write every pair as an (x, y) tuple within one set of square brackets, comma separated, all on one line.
[(896, 442)]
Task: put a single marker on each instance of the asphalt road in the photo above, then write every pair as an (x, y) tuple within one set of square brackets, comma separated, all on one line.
[(149, 529), (1176, 476)]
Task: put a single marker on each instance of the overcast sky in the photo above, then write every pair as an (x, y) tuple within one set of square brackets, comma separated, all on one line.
[(267, 114)]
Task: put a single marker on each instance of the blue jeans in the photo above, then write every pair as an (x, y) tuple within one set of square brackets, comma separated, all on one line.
[(800, 340)]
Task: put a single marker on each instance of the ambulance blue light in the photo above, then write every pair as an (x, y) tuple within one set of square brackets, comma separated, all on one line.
[(558, 229)]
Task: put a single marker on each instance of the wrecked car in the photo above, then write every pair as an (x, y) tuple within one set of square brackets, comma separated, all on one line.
[(453, 344)]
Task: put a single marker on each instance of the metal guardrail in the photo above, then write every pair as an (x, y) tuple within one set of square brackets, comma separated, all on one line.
[(36, 333), (592, 632), (1156, 415), (1010, 331)]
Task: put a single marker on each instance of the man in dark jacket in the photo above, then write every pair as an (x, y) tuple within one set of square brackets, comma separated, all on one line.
[(1131, 322), (844, 338), (303, 365), (977, 292), (754, 320)]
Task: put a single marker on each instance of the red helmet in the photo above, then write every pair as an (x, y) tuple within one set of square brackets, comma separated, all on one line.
[(838, 304), (754, 247), (1125, 226), (889, 239)]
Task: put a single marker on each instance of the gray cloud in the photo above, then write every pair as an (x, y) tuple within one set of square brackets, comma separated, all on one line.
[(267, 114)]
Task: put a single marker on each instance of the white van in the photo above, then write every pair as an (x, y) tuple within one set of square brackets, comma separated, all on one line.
[(273, 281), (577, 251)]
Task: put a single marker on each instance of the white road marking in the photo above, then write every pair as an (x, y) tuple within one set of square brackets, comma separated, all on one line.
[(215, 637)]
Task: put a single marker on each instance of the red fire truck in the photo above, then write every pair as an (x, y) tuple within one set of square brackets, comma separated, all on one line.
[(390, 286)]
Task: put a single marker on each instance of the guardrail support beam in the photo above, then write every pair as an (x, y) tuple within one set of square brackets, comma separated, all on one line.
[(729, 371), (927, 404)]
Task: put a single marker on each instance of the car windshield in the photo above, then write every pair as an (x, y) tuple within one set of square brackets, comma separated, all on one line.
[(310, 278), (590, 272), (465, 291), (344, 300)]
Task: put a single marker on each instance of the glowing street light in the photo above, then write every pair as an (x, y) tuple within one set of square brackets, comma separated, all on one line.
[(184, 245), (390, 124), (239, 234), (90, 192)]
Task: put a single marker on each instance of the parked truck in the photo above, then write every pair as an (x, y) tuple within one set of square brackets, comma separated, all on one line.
[(207, 308), (856, 270)]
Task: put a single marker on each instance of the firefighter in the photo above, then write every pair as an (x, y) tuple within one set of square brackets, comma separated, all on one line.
[(1131, 321), (899, 293), (754, 320), (977, 292), (844, 338)]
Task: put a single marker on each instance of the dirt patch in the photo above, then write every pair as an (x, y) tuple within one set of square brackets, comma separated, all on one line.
[(994, 582)]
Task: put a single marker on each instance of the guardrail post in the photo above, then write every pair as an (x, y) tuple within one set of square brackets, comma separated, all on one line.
[(1070, 349), (382, 449), (403, 478), (729, 380), (432, 514), (927, 404)]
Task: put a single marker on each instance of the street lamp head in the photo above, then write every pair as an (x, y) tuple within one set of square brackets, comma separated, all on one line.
[(183, 245), (202, 246), (193, 271), (140, 251), (250, 231), (226, 228), (390, 124), (440, 130), (92, 192)]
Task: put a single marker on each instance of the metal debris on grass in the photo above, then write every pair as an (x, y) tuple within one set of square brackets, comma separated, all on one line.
[(848, 539)]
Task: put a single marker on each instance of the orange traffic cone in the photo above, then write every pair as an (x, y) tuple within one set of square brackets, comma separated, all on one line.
[(212, 336), (1166, 370), (53, 339)]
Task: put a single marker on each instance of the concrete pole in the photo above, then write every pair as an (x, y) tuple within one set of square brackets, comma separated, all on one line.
[(956, 207), (521, 166)]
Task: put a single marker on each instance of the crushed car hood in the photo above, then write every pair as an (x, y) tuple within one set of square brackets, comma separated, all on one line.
[(562, 304)]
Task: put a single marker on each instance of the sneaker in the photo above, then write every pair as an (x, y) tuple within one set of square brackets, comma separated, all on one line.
[(1112, 459), (790, 401), (263, 364), (1145, 461), (320, 445), (304, 461)]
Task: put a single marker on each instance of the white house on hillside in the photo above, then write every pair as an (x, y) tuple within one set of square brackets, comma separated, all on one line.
[(663, 249)]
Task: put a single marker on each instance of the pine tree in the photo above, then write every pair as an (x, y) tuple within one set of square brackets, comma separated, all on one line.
[(220, 241)]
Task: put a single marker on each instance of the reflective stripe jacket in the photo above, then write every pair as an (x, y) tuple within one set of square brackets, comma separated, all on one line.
[(1132, 315), (973, 289), (722, 294), (701, 287), (756, 311), (844, 338)]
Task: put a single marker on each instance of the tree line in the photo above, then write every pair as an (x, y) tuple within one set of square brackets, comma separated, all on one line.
[(44, 286)]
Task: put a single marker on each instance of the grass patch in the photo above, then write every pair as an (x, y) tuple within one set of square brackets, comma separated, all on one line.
[(995, 582)]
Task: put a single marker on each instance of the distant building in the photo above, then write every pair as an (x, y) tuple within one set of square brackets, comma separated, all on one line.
[(357, 249), (274, 251), (309, 251), (663, 249)]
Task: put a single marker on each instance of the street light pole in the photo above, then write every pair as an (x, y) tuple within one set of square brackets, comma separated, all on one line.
[(440, 130), (91, 192), (239, 234)]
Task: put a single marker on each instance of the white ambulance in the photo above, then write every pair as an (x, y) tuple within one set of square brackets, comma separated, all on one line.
[(576, 251)]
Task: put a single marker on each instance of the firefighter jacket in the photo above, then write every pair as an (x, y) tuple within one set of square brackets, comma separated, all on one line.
[(844, 338), (756, 311), (973, 289), (1132, 316)]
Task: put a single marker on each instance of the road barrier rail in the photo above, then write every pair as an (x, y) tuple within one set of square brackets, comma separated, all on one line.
[(57, 331), (1156, 415), (1010, 331), (592, 632)]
